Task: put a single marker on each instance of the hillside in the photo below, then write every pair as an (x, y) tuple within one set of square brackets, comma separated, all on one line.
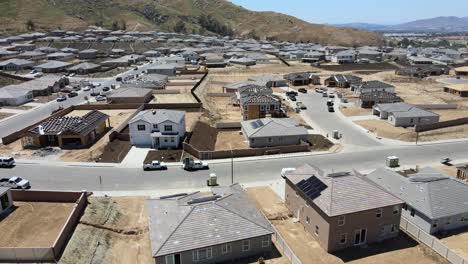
[(183, 15), (437, 24)]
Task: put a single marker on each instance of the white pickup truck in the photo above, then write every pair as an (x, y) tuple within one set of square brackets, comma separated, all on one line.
[(155, 165), (15, 183), (190, 164)]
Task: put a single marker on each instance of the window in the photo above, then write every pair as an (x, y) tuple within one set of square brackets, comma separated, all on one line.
[(202, 254), (226, 248), (317, 230), (265, 242), (379, 212), (412, 212), (308, 219), (167, 128), (155, 126), (343, 238), (170, 259), (396, 209), (435, 223), (246, 245), (341, 220), (172, 140), (165, 140), (141, 127)]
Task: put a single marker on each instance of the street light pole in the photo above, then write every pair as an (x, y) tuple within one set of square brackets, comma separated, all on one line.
[(232, 164)]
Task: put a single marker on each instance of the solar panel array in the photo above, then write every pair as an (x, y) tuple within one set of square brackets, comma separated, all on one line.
[(312, 187), (256, 124)]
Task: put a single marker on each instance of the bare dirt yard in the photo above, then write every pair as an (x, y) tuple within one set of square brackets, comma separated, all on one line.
[(457, 240), (355, 111), (174, 98), (33, 224), (112, 230), (228, 140), (396, 251), (5, 115)]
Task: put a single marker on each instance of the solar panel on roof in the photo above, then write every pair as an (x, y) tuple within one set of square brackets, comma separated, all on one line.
[(312, 187)]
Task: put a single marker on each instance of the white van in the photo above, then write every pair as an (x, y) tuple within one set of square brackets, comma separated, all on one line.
[(7, 162)]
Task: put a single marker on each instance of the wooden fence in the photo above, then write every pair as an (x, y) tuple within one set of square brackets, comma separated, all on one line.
[(439, 125)]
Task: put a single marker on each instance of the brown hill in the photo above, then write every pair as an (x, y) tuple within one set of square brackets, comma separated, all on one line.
[(168, 15)]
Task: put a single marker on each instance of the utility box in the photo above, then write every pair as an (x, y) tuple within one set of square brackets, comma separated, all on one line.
[(393, 162), (213, 180)]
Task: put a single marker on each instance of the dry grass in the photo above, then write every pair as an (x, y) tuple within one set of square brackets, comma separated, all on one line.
[(34, 224), (228, 140), (125, 238)]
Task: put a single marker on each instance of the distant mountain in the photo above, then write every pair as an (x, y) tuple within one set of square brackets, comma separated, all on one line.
[(191, 16), (437, 24), (363, 26)]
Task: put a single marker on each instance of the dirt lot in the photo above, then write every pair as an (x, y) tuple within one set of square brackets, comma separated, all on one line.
[(164, 155), (115, 151), (45, 99), (5, 115), (34, 224), (174, 98), (355, 111), (112, 230), (18, 107), (228, 140), (395, 251), (457, 241), (4, 81)]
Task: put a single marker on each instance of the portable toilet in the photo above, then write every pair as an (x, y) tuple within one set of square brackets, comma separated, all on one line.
[(393, 162), (213, 180)]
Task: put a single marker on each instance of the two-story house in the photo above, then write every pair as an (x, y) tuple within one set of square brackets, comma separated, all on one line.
[(160, 129), (258, 101), (341, 209)]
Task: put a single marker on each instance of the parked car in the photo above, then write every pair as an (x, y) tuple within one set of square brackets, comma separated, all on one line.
[(118, 79), (302, 90), (95, 93), (105, 89), (33, 72), (331, 109), (330, 102), (61, 98), (292, 98), (15, 183), (100, 98), (317, 90), (87, 88), (7, 162), (72, 94), (331, 95), (155, 165), (324, 94), (189, 165), (291, 93), (135, 69), (301, 106)]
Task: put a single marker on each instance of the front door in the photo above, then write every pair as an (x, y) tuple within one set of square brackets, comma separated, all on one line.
[(177, 259), (360, 236)]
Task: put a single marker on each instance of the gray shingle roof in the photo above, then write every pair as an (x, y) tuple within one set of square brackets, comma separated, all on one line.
[(129, 92), (159, 116), (431, 192), (176, 226), (19, 62), (53, 64), (345, 194), (404, 110), (272, 127)]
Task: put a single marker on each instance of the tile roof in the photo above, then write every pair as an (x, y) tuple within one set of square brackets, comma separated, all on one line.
[(177, 226), (429, 191), (345, 192)]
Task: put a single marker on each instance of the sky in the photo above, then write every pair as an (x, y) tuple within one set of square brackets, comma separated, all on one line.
[(368, 11)]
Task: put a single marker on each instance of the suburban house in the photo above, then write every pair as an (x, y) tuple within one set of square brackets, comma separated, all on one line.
[(53, 66), (417, 60), (15, 64), (32, 55), (404, 115), (302, 78), (457, 89), (60, 56), (131, 95), (370, 55), (341, 209), (269, 80), (224, 226), (343, 57), (342, 81), (68, 131), (160, 129), (88, 54), (313, 56), (244, 61), (422, 71), (258, 101), (40, 86), (163, 69), (372, 86), (369, 99), (462, 172), (6, 201), (461, 71), (273, 132), (12, 96), (434, 201), (84, 68)]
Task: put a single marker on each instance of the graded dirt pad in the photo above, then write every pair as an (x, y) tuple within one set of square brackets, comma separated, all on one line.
[(204, 137), (164, 155), (115, 151), (4, 81), (359, 67), (355, 111), (457, 240), (382, 128), (395, 251), (34, 224), (112, 230), (5, 115), (229, 139), (174, 98), (319, 142)]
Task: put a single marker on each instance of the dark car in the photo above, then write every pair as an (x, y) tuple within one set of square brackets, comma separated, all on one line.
[(292, 98), (95, 94), (72, 94), (291, 93), (331, 109), (105, 89), (118, 79), (302, 90), (61, 98)]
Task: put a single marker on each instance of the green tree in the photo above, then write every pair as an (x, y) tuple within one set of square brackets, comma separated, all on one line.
[(30, 25)]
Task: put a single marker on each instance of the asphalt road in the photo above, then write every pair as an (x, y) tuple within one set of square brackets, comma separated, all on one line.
[(63, 177), (317, 112), (28, 118)]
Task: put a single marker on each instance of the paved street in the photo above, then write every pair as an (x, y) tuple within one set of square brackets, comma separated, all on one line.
[(135, 179)]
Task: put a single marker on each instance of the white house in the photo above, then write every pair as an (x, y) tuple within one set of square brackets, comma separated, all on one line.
[(160, 129), (346, 56), (6, 201), (12, 96)]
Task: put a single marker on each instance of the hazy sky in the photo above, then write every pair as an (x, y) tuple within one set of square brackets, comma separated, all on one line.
[(370, 11)]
